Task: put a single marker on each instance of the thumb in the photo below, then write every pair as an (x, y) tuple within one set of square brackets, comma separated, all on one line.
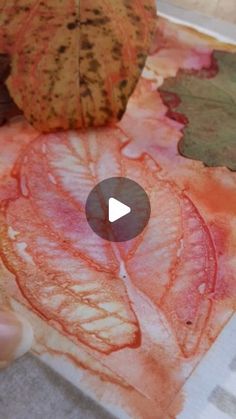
[(16, 336)]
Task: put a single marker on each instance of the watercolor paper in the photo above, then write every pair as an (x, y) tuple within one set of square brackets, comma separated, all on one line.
[(128, 322)]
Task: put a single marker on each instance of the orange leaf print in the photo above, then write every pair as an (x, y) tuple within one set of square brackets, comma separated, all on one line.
[(76, 275)]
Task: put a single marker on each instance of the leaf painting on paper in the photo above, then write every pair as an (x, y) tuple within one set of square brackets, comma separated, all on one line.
[(126, 322)]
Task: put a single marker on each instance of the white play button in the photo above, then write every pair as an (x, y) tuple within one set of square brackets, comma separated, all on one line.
[(117, 210)]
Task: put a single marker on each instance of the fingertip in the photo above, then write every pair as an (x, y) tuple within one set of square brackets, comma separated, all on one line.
[(16, 336), (27, 337)]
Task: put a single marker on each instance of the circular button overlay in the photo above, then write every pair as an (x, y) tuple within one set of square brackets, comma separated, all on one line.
[(118, 209)]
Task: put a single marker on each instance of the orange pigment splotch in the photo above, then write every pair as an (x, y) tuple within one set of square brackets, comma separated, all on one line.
[(213, 194), (129, 398), (225, 292), (220, 203), (222, 236), (225, 245), (79, 364)]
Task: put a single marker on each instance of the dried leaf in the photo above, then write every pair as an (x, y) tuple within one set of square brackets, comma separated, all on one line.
[(75, 64), (209, 108)]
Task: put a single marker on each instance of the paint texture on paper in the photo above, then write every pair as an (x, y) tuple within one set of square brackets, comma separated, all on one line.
[(126, 322)]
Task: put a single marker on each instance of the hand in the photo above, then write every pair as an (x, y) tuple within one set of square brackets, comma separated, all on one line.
[(16, 336)]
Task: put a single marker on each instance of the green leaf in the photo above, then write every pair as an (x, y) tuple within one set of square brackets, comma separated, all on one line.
[(208, 107)]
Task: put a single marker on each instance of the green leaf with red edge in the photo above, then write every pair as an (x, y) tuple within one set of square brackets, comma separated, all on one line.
[(209, 107)]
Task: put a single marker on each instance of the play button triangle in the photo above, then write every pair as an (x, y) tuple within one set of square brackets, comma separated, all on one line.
[(117, 210)]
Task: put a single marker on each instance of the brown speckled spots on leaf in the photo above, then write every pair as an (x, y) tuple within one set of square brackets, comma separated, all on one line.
[(78, 53), (73, 25), (106, 110), (62, 49), (94, 65)]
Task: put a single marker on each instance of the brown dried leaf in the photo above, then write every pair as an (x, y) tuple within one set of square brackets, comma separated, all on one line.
[(75, 65)]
